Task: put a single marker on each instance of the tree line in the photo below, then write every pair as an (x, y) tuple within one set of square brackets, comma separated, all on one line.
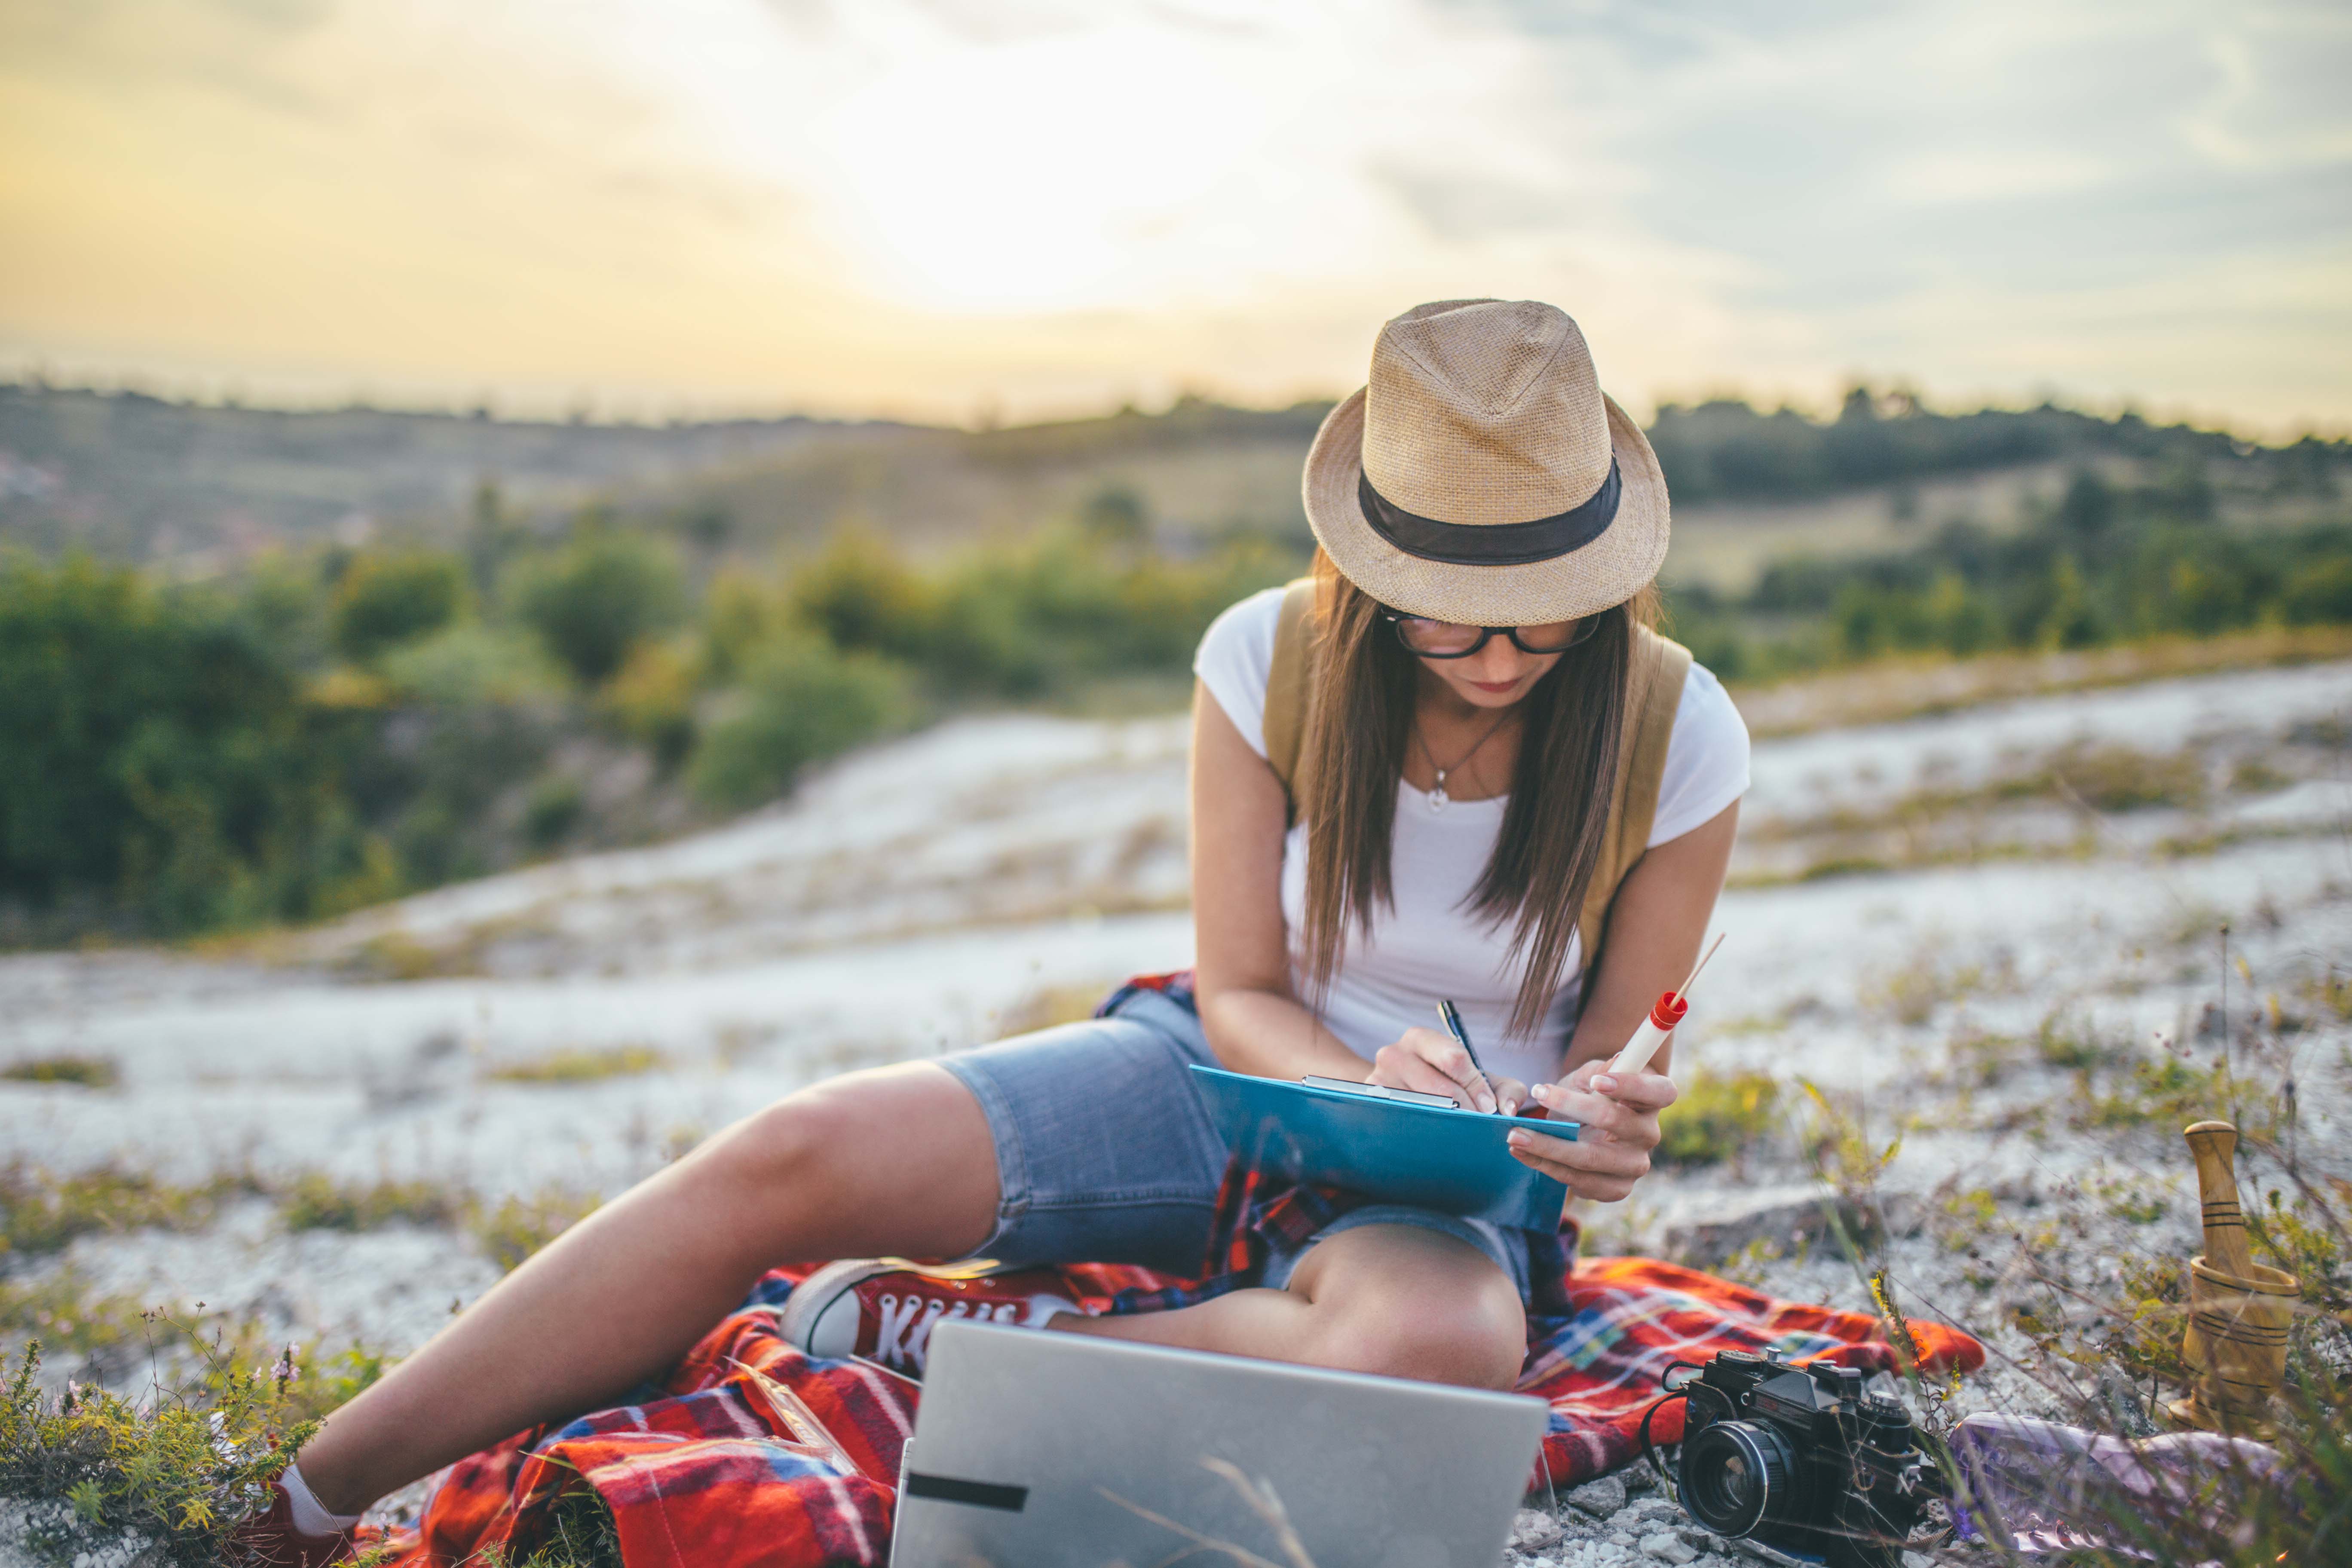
[(328, 728), (325, 731), (2104, 562)]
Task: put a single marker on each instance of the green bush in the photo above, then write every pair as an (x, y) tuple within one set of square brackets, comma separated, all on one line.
[(384, 600), (2322, 593), (553, 810), (591, 601), (738, 611), (863, 597), (1066, 606), (160, 767), (652, 697), (471, 665), (802, 700)]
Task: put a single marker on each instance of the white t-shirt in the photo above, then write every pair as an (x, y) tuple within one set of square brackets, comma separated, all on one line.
[(1427, 947)]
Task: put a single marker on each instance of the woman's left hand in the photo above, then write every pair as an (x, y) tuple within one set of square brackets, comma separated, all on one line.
[(1617, 1115)]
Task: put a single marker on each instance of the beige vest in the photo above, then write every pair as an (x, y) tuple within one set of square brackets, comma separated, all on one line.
[(1659, 667)]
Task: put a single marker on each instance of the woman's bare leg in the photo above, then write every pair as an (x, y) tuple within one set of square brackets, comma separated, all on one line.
[(895, 1161), (1395, 1299)]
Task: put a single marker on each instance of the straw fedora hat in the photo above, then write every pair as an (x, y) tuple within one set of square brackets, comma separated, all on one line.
[(1483, 477)]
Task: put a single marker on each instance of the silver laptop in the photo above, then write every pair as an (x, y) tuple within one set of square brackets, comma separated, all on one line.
[(1045, 1450)]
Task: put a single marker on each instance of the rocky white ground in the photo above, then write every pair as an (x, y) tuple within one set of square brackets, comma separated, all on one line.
[(1905, 893)]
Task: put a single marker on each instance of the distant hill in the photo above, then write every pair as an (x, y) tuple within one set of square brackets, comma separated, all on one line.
[(132, 477)]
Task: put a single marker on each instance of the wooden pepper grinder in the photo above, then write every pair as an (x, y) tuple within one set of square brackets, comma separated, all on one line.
[(2212, 1143), (2238, 1311)]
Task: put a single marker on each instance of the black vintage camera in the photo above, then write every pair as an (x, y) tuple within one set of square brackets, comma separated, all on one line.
[(1800, 1459)]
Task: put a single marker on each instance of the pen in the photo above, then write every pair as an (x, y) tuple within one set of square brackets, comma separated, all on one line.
[(1453, 1017)]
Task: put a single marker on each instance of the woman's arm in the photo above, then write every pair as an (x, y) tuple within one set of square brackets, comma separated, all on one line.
[(1242, 963), (1655, 924)]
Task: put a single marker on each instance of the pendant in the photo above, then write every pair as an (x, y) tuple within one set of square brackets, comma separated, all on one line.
[(1438, 798)]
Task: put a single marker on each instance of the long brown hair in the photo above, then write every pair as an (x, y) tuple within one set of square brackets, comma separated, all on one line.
[(1359, 723)]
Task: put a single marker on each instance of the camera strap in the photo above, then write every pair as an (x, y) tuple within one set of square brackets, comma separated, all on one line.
[(1650, 1450)]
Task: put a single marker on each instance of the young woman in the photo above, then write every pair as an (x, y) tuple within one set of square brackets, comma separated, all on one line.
[(1474, 764)]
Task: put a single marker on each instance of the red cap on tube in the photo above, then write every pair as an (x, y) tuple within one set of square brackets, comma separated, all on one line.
[(1669, 1010)]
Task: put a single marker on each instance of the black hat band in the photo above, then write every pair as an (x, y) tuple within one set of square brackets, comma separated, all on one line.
[(1492, 544)]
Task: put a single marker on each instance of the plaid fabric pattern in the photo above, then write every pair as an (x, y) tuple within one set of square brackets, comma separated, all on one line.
[(750, 1455)]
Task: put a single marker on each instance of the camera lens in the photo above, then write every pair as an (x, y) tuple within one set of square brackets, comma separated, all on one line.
[(1738, 1474)]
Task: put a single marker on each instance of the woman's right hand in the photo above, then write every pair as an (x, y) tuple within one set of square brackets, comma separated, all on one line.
[(1435, 1063)]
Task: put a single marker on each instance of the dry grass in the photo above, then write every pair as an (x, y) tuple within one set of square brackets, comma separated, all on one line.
[(514, 1228), (396, 955), (576, 1067), (45, 1212), (316, 1202), (88, 1072), (1910, 993)]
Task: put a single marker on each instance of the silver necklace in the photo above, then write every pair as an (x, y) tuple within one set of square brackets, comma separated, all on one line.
[(1438, 799)]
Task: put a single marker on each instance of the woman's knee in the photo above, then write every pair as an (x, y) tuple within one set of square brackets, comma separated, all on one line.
[(893, 1142), (1466, 1327)]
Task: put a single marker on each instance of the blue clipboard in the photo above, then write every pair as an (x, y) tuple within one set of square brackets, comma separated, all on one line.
[(1432, 1157)]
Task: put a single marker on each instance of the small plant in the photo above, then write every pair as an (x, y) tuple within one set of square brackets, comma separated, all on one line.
[(396, 955), (579, 1533), (1716, 1118), (1911, 993), (94, 1476), (1972, 1212), (1982, 1060), (2156, 1089), (317, 1201), (60, 1311), (90, 1072), (581, 1065), (2069, 1044), (2119, 778), (2134, 1202), (514, 1228), (1843, 1153), (2253, 776), (2333, 992), (40, 1212)]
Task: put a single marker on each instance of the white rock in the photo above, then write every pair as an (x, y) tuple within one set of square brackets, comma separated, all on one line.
[(1649, 1510), (1600, 1498), (1668, 1547), (1534, 1530)]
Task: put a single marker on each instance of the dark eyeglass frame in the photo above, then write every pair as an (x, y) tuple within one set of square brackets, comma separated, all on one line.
[(1585, 627)]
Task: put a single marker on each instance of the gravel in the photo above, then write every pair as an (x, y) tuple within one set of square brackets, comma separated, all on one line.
[(929, 894)]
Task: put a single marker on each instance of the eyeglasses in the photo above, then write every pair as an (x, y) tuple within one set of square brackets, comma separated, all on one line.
[(1444, 640)]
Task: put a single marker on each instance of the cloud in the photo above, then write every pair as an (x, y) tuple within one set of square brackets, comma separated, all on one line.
[(924, 205)]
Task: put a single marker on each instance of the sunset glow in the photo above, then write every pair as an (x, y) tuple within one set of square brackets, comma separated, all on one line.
[(937, 209)]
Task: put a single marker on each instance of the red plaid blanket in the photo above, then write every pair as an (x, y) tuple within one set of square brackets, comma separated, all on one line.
[(752, 1454)]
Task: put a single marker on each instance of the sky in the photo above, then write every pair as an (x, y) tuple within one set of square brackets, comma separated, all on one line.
[(980, 212)]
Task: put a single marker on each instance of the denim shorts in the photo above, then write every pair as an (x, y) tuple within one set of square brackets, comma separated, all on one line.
[(1105, 1152)]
